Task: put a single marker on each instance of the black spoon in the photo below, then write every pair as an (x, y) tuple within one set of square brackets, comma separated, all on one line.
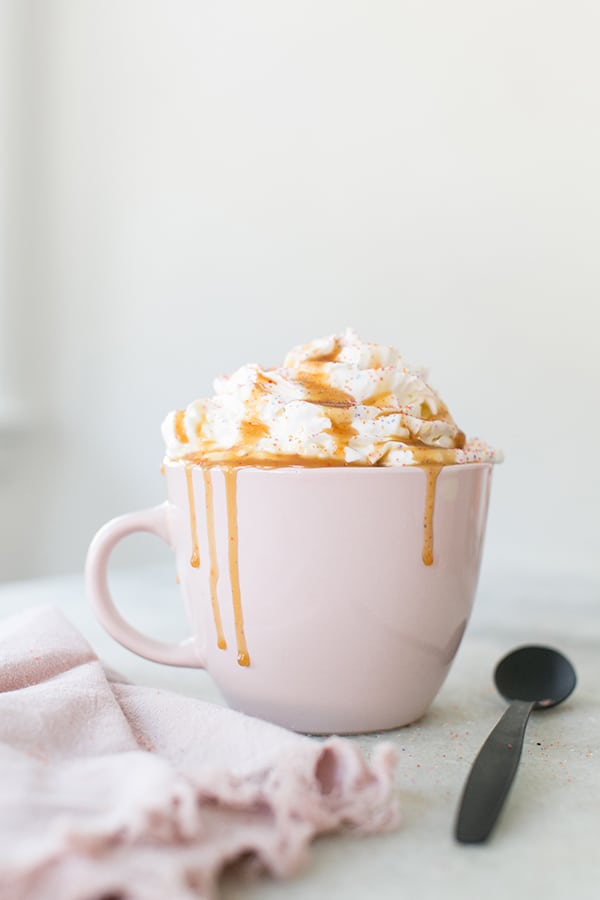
[(531, 677)]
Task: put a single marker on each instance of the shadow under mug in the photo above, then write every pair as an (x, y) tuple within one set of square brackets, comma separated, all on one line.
[(322, 599)]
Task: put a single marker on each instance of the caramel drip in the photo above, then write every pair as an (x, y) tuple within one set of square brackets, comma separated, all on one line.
[(432, 473), (243, 657), (214, 566), (179, 427), (195, 557)]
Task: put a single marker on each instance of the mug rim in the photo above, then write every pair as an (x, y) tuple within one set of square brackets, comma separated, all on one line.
[(182, 463)]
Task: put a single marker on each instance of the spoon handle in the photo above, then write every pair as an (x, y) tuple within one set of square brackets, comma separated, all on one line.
[(492, 774)]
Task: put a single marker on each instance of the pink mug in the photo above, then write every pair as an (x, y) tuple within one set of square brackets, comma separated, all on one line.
[(322, 599)]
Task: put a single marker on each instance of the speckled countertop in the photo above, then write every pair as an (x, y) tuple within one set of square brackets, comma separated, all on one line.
[(545, 844)]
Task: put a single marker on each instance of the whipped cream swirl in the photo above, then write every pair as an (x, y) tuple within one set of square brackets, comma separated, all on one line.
[(335, 401)]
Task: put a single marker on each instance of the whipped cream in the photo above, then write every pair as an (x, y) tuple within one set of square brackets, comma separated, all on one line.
[(335, 401)]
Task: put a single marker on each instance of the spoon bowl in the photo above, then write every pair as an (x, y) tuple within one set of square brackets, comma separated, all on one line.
[(539, 674)]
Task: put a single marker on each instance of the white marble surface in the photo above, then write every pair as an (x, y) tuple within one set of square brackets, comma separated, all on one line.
[(545, 845)]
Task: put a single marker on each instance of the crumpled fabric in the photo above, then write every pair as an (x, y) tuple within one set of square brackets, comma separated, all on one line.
[(109, 789)]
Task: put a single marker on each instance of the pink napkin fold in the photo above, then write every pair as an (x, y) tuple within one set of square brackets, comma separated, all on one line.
[(109, 789)]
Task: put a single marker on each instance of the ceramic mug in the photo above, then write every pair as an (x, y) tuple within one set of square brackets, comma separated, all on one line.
[(322, 599)]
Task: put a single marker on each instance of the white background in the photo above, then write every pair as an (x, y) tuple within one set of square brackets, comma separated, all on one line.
[(187, 186)]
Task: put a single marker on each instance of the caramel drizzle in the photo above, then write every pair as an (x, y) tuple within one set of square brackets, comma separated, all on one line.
[(432, 473), (319, 391), (243, 657), (251, 427), (179, 427), (385, 400), (252, 430), (195, 557), (332, 355), (214, 566)]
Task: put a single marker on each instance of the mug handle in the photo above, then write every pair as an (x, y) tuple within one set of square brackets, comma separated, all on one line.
[(155, 521)]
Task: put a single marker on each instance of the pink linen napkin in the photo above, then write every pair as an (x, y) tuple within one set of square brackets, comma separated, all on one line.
[(109, 789)]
